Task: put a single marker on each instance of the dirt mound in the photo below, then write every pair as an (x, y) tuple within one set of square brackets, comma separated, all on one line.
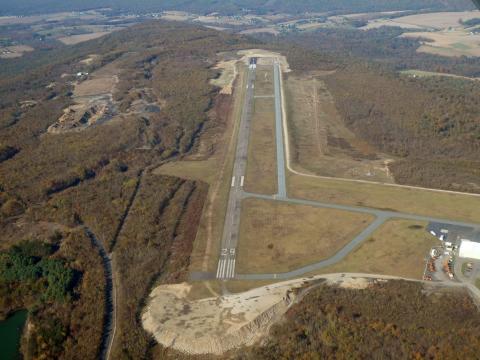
[(227, 76), (213, 325)]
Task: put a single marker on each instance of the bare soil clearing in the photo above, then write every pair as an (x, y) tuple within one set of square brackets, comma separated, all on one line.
[(267, 30), (227, 76), (94, 102), (93, 96), (321, 142), (11, 52), (77, 39), (420, 73)]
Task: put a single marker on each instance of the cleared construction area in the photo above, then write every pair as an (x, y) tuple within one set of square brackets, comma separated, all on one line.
[(321, 143)]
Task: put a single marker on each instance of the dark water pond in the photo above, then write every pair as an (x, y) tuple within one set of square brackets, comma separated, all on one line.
[(10, 334)]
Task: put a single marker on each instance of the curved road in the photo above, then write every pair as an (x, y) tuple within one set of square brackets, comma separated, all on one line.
[(109, 320)]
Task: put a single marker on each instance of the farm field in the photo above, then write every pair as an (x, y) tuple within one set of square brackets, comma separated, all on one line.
[(433, 21)]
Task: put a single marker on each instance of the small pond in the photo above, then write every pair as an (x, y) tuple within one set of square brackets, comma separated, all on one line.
[(10, 333)]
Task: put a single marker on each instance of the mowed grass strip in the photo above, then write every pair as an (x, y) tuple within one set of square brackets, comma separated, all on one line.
[(203, 170), (264, 81), (414, 201), (398, 248), (278, 237), (261, 170)]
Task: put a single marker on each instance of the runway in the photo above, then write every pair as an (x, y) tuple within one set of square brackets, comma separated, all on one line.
[(226, 263)]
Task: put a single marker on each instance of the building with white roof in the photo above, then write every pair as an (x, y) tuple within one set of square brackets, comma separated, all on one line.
[(469, 249)]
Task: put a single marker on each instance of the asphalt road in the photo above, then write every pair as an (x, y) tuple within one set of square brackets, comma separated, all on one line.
[(109, 321), (282, 184), (226, 263)]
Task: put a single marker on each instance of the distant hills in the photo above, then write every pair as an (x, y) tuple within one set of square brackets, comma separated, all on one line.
[(228, 7)]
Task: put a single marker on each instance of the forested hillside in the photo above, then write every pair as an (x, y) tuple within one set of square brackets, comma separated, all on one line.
[(229, 7), (393, 320), (80, 193)]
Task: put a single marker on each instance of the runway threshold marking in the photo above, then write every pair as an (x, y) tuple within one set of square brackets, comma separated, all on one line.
[(242, 180), (233, 181)]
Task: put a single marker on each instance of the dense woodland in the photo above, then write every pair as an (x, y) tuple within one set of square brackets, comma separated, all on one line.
[(231, 7), (393, 320), (59, 278)]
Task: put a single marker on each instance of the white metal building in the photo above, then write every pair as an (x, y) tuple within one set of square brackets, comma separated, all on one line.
[(469, 249)]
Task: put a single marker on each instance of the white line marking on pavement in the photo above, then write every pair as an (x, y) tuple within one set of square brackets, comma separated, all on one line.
[(222, 269), (227, 272), (218, 268), (242, 179), (233, 269), (233, 181), (227, 275)]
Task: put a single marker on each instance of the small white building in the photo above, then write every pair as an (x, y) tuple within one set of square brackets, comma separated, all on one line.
[(469, 249)]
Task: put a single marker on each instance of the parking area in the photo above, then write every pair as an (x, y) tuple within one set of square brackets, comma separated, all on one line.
[(457, 256)]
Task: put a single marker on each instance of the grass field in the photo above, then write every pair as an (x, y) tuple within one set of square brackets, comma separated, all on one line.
[(433, 21), (420, 202), (261, 173), (397, 248), (277, 237), (204, 289), (203, 170), (77, 39), (264, 79), (448, 43)]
